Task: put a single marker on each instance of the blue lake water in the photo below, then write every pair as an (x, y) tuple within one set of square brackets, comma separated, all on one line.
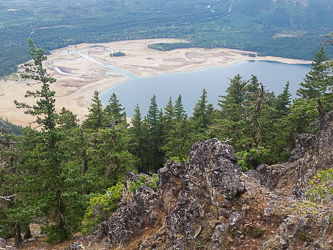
[(190, 84)]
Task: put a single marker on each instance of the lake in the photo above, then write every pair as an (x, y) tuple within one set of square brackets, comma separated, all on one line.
[(190, 84)]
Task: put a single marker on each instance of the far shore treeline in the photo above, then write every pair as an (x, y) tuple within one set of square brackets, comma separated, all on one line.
[(57, 174), (289, 29)]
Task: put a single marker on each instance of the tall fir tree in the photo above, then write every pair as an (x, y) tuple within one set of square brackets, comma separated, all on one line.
[(51, 185), (179, 108), (154, 137), (315, 84), (201, 114), (283, 101), (230, 121), (96, 119), (115, 110)]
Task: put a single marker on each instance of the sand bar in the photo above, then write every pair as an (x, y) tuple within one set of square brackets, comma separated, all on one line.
[(81, 69)]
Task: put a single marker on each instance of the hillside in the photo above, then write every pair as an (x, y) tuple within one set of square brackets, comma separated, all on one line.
[(291, 29), (208, 203)]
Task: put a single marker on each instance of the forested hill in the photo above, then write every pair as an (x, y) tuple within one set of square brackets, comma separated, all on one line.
[(271, 27)]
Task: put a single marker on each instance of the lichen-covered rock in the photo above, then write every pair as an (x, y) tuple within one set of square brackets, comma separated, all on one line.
[(4, 246), (303, 143)]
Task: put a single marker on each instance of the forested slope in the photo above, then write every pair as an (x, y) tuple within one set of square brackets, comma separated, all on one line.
[(50, 174), (280, 28)]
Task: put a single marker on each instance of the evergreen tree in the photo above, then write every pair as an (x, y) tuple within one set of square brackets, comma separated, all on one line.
[(96, 118), (9, 179), (179, 109), (154, 137), (153, 114), (51, 184), (315, 83), (201, 114), (283, 101), (67, 120), (115, 109), (231, 122), (169, 113), (137, 143), (44, 108)]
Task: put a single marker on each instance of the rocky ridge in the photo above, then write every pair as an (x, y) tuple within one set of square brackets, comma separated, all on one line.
[(208, 203)]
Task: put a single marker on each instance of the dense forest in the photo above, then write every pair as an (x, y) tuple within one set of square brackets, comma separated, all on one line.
[(68, 176), (289, 29)]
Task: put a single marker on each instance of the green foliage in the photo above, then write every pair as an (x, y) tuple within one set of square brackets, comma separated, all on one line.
[(115, 110), (44, 108), (320, 186), (257, 232), (169, 46), (101, 207), (96, 118), (11, 128), (60, 166), (177, 159), (252, 158), (145, 180), (54, 234), (315, 83), (258, 22), (305, 237), (117, 54)]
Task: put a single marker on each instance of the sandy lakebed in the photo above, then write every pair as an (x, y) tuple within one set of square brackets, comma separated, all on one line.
[(84, 68)]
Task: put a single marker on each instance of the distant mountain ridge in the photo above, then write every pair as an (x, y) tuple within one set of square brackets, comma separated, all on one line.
[(284, 28)]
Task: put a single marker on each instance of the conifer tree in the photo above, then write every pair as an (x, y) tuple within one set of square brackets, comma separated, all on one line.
[(115, 110), (231, 122), (201, 113), (179, 108), (283, 101), (51, 185), (67, 120), (154, 136), (96, 118), (137, 143), (315, 83)]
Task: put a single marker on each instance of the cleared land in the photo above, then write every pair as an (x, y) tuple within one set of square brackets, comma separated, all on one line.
[(82, 69)]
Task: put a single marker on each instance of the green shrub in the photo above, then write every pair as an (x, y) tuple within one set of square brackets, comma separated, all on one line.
[(257, 232), (304, 236), (252, 158), (101, 207), (176, 159), (117, 54), (54, 234), (145, 180)]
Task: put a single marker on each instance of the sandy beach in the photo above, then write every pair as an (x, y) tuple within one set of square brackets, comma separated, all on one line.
[(84, 68)]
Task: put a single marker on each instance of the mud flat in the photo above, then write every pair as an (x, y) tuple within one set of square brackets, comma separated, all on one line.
[(84, 68)]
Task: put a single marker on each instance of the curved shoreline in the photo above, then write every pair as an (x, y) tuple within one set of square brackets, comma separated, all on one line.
[(85, 72)]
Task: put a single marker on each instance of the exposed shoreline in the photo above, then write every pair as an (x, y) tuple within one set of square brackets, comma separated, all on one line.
[(78, 78)]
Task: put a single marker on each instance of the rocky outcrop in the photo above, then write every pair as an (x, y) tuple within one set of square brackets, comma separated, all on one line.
[(208, 203), (5, 246)]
